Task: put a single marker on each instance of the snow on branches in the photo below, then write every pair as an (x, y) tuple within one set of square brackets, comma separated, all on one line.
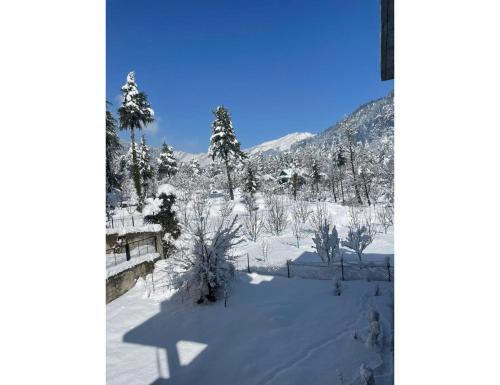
[(167, 164), (326, 242), (361, 232)]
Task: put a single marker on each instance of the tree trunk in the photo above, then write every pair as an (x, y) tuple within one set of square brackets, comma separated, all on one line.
[(366, 190), (333, 188), (135, 171), (229, 182), (342, 184), (356, 188)]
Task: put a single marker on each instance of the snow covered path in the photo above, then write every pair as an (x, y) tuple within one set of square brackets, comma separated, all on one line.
[(274, 331)]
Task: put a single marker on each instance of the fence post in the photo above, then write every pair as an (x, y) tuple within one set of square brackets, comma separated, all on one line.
[(248, 262), (156, 244), (112, 224), (114, 256), (127, 251), (389, 268), (342, 266), (133, 225), (288, 267)]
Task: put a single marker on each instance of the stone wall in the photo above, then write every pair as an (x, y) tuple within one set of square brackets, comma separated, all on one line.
[(122, 282)]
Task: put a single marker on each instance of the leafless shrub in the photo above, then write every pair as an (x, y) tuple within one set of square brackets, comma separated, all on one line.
[(385, 216), (253, 224), (277, 216), (264, 246), (318, 216)]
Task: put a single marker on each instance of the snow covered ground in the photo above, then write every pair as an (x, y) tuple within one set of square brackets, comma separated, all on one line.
[(274, 331)]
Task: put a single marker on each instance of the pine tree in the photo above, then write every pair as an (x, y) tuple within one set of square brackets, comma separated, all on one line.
[(315, 176), (223, 143), (167, 165), (146, 172), (350, 133), (113, 148), (135, 113), (167, 218), (250, 181), (341, 162), (195, 167)]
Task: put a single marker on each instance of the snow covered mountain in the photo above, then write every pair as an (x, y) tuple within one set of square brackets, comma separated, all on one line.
[(267, 148), (371, 120), (282, 144)]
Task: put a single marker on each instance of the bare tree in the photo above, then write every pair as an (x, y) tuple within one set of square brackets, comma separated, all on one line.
[(302, 210), (385, 216), (298, 227), (277, 216), (319, 215), (253, 223), (264, 246)]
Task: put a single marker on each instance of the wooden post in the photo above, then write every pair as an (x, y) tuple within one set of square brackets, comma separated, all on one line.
[(389, 269), (248, 262), (133, 225), (288, 267), (127, 251), (112, 224), (342, 265)]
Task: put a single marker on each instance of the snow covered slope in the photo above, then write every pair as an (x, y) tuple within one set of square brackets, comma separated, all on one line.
[(267, 148), (371, 119), (282, 144)]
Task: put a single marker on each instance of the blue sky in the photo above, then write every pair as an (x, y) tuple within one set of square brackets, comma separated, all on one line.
[(279, 66)]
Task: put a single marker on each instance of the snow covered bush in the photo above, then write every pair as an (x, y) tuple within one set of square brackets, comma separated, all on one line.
[(341, 378), (326, 242), (208, 264), (366, 375), (277, 216), (374, 331), (337, 287), (361, 233)]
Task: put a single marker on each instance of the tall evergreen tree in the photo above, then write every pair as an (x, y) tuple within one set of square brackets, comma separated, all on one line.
[(167, 165), (223, 143), (350, 133), (135, 113), (113, 148), (167, 218), (341, 162), (146, 171), (250, 181), (315, 176)]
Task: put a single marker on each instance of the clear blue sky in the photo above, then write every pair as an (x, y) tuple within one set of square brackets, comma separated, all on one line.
[(279, 66)]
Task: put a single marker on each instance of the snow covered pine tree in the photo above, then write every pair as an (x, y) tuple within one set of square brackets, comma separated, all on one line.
[(223, 143), (167, 165), (251, 183), (135, 113), (113, 148), (146, 172)]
